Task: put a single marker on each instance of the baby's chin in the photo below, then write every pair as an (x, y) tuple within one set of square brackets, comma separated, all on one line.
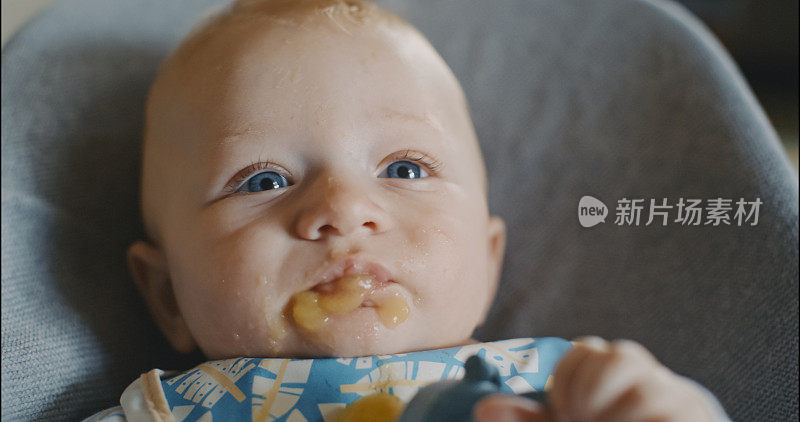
[(361, 332), (358, 333)]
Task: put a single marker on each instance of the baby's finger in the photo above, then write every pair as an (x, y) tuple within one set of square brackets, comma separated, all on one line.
[(624, 406), (659, 395), (646, 400), (606, 376), (508, 408), (593, 342), (595, 383), (558, 395), (633, 349)]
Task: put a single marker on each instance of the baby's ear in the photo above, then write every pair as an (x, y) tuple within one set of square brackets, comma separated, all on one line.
[(497, 247), (148, 267)]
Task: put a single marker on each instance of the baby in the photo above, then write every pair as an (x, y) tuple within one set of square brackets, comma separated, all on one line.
[(312, 187)]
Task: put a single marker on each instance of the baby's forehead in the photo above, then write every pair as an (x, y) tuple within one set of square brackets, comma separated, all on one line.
[(247, 68), (226, 49), (281, 25)]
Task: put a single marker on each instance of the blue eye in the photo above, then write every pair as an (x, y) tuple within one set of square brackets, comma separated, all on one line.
[(266, 180), (404, 170)]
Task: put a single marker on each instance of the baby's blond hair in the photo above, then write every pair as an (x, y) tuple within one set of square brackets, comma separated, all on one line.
[(289, 12)]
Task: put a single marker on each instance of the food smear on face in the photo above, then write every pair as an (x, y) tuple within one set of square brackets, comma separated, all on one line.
[(392, 310), (277, 327), (307, 312), (379, 407), (311, 309), (347, 294)]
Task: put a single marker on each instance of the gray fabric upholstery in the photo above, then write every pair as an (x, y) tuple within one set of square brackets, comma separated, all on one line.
[(610, 98)]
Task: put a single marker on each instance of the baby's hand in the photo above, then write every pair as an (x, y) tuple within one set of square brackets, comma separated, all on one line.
[(602, 381)]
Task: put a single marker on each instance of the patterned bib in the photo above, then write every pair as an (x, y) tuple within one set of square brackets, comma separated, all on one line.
[(293, 390)]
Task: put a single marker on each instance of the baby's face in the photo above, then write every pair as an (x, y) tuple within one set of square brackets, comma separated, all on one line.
[(280, 160)]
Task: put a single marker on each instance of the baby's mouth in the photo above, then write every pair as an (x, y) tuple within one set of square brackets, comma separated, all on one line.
[(313, 308)]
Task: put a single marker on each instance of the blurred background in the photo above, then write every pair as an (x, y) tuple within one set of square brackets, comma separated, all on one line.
[(760, 35)]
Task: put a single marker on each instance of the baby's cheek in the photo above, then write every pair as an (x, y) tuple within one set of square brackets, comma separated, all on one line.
[(233, 291), (204, 311), (453, 289), (235, 321), (222, 308)]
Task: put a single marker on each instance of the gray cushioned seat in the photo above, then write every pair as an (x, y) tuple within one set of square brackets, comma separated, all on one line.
[(610, 98)]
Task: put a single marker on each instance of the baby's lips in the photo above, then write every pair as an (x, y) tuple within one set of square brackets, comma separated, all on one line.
[(347, 293), (347, 282), (312, 309), (353, 266)]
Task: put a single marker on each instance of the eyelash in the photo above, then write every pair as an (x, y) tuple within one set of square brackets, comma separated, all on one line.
[(417, 157), (255, 167)]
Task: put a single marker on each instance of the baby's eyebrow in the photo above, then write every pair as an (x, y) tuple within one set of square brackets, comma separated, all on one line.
[(426, 118), (228, 139)]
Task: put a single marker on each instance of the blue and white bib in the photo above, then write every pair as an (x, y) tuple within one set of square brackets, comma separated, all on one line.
[(296, 390)]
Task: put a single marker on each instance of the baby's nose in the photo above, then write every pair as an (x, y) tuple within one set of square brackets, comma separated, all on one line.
[(338, 207)]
